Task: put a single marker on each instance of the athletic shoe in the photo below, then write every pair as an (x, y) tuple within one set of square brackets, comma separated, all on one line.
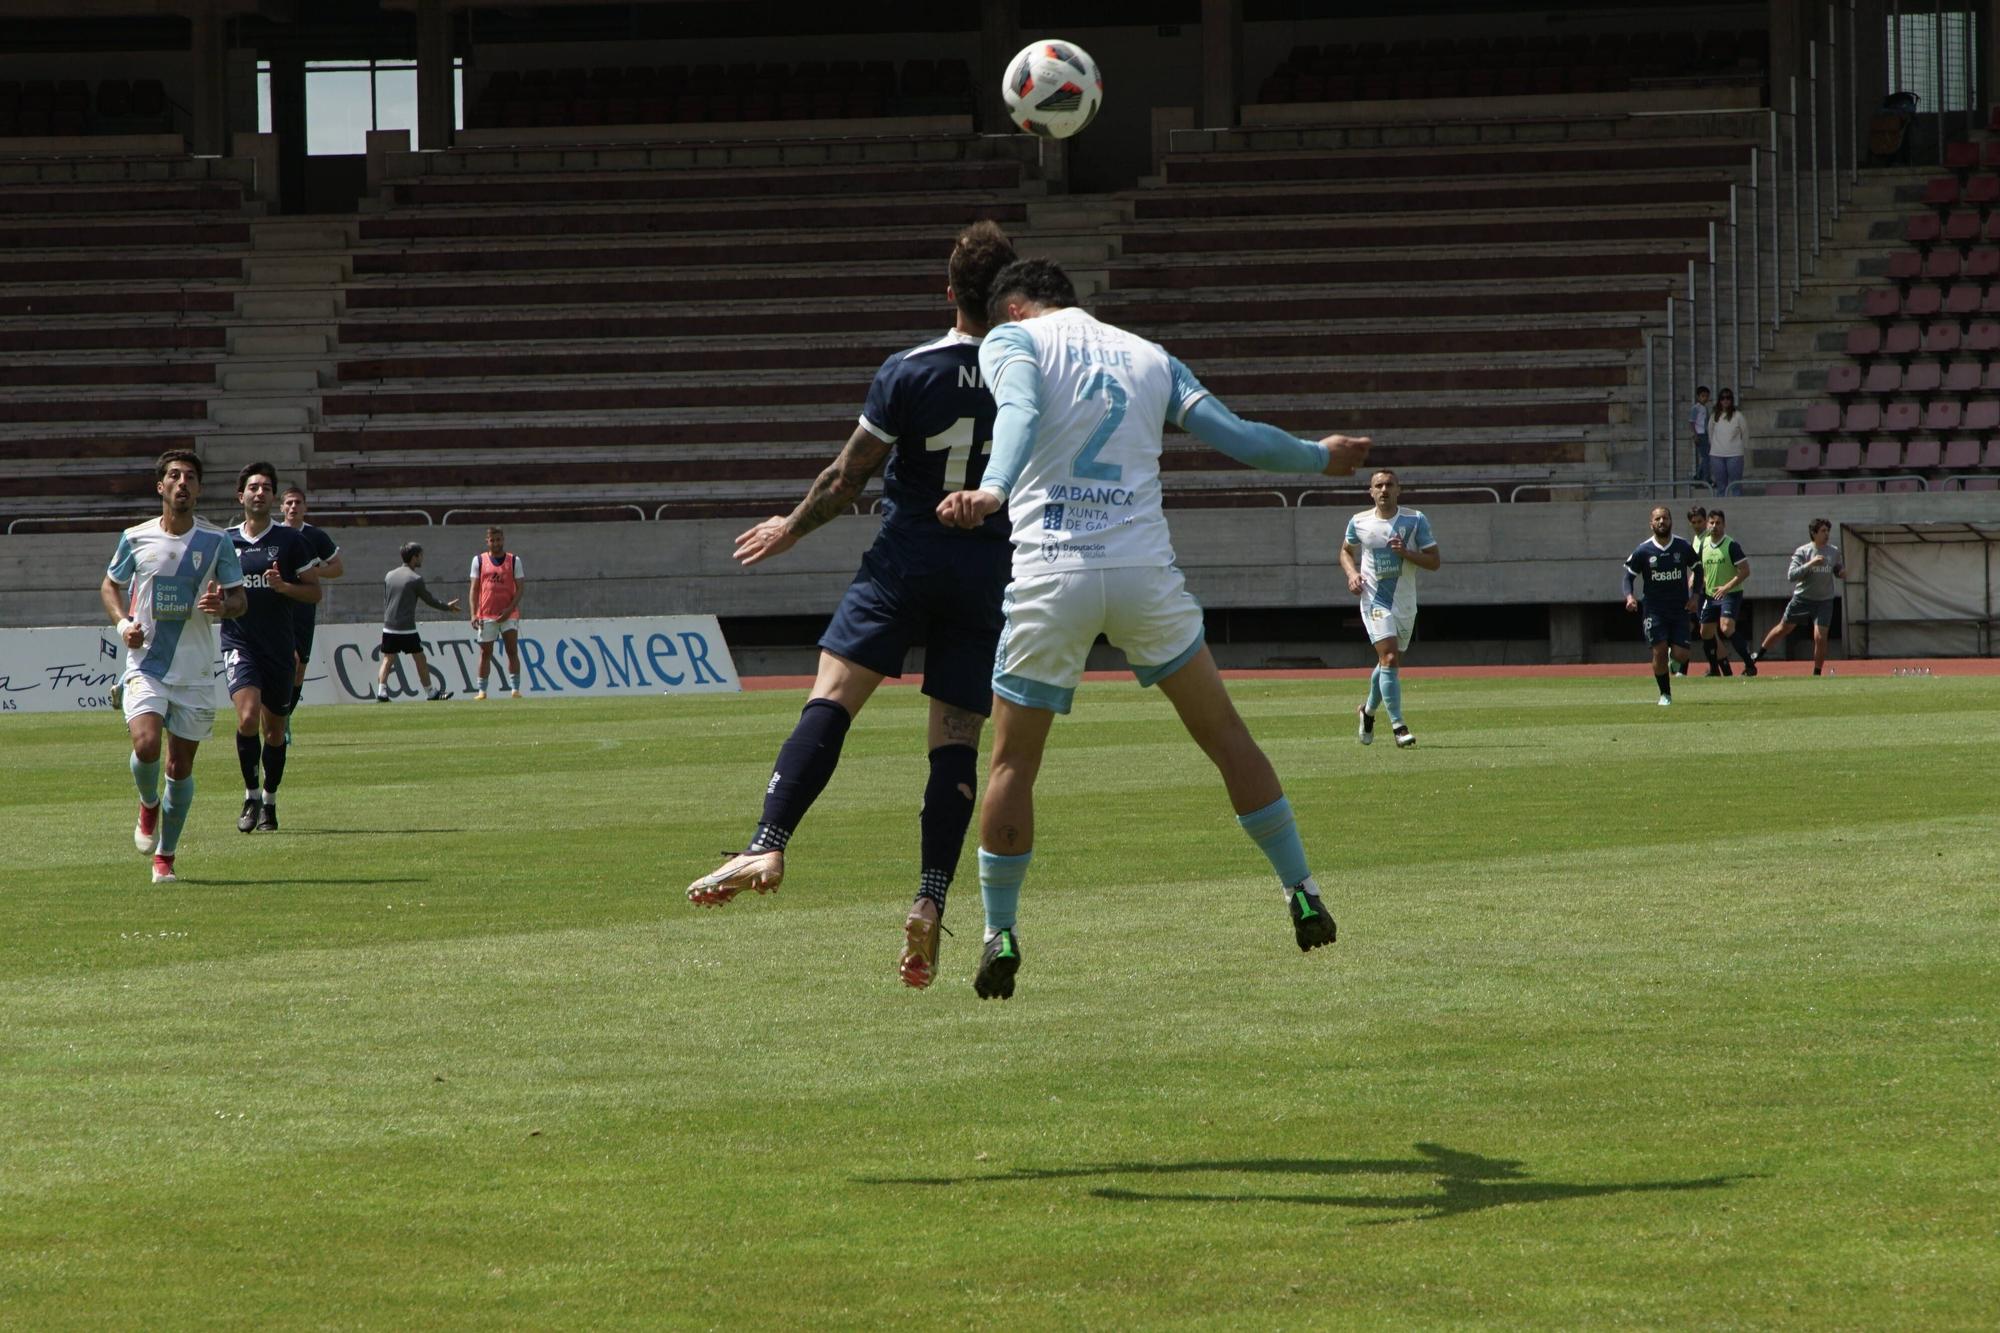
[(146, 834), (1750, 668), (1728, 670), (1666, 701), (760, 872), (514, 694), (1715, 670), (163, 870), (118, 695), (1815, 671), (480, 695), (1367, 723), (1404, 740), (1312, 924), (247, 821), (918, 965), (439, 696), (998, 963), (267, 818), (381, 698)]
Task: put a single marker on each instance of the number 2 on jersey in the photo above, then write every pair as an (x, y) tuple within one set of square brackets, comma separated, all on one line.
[(967, 457), (1085, 464)]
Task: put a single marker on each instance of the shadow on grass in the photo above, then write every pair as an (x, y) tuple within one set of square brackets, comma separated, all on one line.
[(1466, 1183)]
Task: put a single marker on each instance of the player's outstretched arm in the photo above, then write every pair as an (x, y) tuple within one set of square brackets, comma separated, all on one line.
[(832, 492), (1269, 449)]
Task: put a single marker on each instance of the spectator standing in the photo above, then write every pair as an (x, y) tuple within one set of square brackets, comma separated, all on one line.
[(1728, 441), (1698, 425)]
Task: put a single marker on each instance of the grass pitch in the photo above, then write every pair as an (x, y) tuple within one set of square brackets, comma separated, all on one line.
[(1638, 1017)]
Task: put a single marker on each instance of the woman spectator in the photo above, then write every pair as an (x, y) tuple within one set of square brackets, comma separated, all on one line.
[(1728, 439)]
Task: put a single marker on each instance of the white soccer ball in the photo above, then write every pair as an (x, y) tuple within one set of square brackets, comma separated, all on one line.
[(1052, 88)]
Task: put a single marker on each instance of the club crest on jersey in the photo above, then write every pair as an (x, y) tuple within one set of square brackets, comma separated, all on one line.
[(197, 559)]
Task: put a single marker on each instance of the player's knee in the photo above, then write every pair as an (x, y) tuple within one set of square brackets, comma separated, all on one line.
[(147, 748)]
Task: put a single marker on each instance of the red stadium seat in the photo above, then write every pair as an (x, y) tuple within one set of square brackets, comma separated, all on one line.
[(1961, 155), (1843, 378), (1867, 341), (1981, 192), (1905, 265), (1941, 337), (1883, 377), (1901, 340), (1781, 488), (1821, 419), (1941, 264), (1959, 455), (1882, 302), (1922, 377), (1802, 455), (1940, 192), (1842, 456), (1860, 419), (1820, 488), (1882, 455), (1991, 457), (1923, 302), (1902, 416), (1899, 485), (1961, 228), (1921, 455), (1980, 484), (1982, 335), (1992, 232), (1922, 229), (1962, 300), (1982, 416), (1961, 377), (1943, 415), (1982, 263), (1861, 487), (1989, 153)]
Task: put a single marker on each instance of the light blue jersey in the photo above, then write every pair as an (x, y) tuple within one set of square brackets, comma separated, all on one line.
[(163, 574), (1388, 583)]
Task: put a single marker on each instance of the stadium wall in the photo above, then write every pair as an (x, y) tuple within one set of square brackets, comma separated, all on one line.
[(1560, 558)]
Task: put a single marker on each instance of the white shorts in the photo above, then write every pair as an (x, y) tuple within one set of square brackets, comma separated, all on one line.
[(188, 710), (1388, 622), (1053, 619), (489, 631)]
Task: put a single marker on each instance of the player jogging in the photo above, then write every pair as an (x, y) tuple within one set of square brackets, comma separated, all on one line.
[(402, 588), (1724, 571), (1082, 406), (260, 647), (1815, 571), (494, 594), (1379, 542), (1663, 576), (305, 615), (169, 580), (929, 417)]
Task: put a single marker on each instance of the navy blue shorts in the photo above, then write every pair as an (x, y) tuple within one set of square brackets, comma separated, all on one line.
[(949, 592), (303, 634), (1667, 626), (1715, 608), (250, 670)]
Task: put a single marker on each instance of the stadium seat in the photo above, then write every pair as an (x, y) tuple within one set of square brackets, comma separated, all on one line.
[(1922, 377), (1884, 377), (1867, 341), (1906, 265), (1943, 414), (1980, 484), (1959, 455), (1902, 339), (1982, 263), (1940, 192), (1901, 485), (1962, 300), (1820, 488), (1990, 457), (1861, 487), (1902, 416), (1981, 192), (1923, 229), (1941, 337), (1941, 264), (1921, 454), (1982, 335), (1961, 377), (1860, 419), (1961, 155), (1992, 229), (1962, 227), (1781, 488), (1882, 302), (1982, 416), (1882, 455), (1922, 301), (1843, 455), (1821, 419), (1843, 378), (1803, 455)]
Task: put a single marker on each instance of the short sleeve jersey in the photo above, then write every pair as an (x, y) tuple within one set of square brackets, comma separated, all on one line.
[(163, 574), (1662, 572), (267, 628), (1820, 582), (930, 403), (324, 548), (1718, 561), (1088, 496), (1387, 580)]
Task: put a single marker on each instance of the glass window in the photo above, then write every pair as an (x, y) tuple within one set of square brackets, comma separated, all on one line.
[(1914, 41), (347, 98)]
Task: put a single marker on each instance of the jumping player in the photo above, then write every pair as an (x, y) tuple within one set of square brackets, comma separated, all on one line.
[(494, 594), (1379, 542), (305, 615), (1076, 464), (260, 648), (1664, 576), (929, 417), (170, 579)]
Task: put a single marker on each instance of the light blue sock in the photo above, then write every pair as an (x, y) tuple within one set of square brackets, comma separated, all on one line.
[(1374, 690), (1000, 887), (147, 776), (1392, 693), (174, 813), (1276, 834)]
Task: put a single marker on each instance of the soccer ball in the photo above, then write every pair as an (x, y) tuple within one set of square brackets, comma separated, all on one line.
[(1052, 88)]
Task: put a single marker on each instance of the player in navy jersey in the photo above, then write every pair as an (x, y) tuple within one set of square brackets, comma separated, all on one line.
[(1663, 577), (260, 648), (305, 615), (927, 423)]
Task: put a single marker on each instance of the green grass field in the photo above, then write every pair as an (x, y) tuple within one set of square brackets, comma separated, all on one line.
[(1638, 1017)]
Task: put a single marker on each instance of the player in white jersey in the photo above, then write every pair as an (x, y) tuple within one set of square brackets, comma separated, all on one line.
[(169, 581), (1379, 544), (1076, 463)]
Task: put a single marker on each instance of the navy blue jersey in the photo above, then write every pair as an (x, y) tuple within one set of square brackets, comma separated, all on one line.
[(1661, 572), (932, 405), (304, 614), (267, 629)]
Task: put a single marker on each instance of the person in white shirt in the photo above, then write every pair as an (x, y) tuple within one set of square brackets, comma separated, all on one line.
[(1378, 544), (170, 579), (1728, 441), (1076, 464)]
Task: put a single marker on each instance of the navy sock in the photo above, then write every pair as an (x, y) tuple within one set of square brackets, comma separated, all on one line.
[(274, 769), (1740, 641), (805, 764), (1666, 683), (248, 748), (947, 813), (1708, 647)]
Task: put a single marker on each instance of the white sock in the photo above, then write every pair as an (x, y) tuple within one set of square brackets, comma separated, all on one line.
[(267, 798), (252, 794)]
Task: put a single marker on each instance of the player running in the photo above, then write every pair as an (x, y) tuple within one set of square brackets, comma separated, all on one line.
[(1663, 575), (1076, 465), (929, 417), (305, 615), (494, 594), (169, 580), (1379, 542), (260, 647)]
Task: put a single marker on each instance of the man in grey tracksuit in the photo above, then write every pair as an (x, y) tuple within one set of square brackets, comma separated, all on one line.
[(403, 588)]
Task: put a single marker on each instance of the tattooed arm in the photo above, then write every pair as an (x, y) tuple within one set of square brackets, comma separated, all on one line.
[(832, 492)]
